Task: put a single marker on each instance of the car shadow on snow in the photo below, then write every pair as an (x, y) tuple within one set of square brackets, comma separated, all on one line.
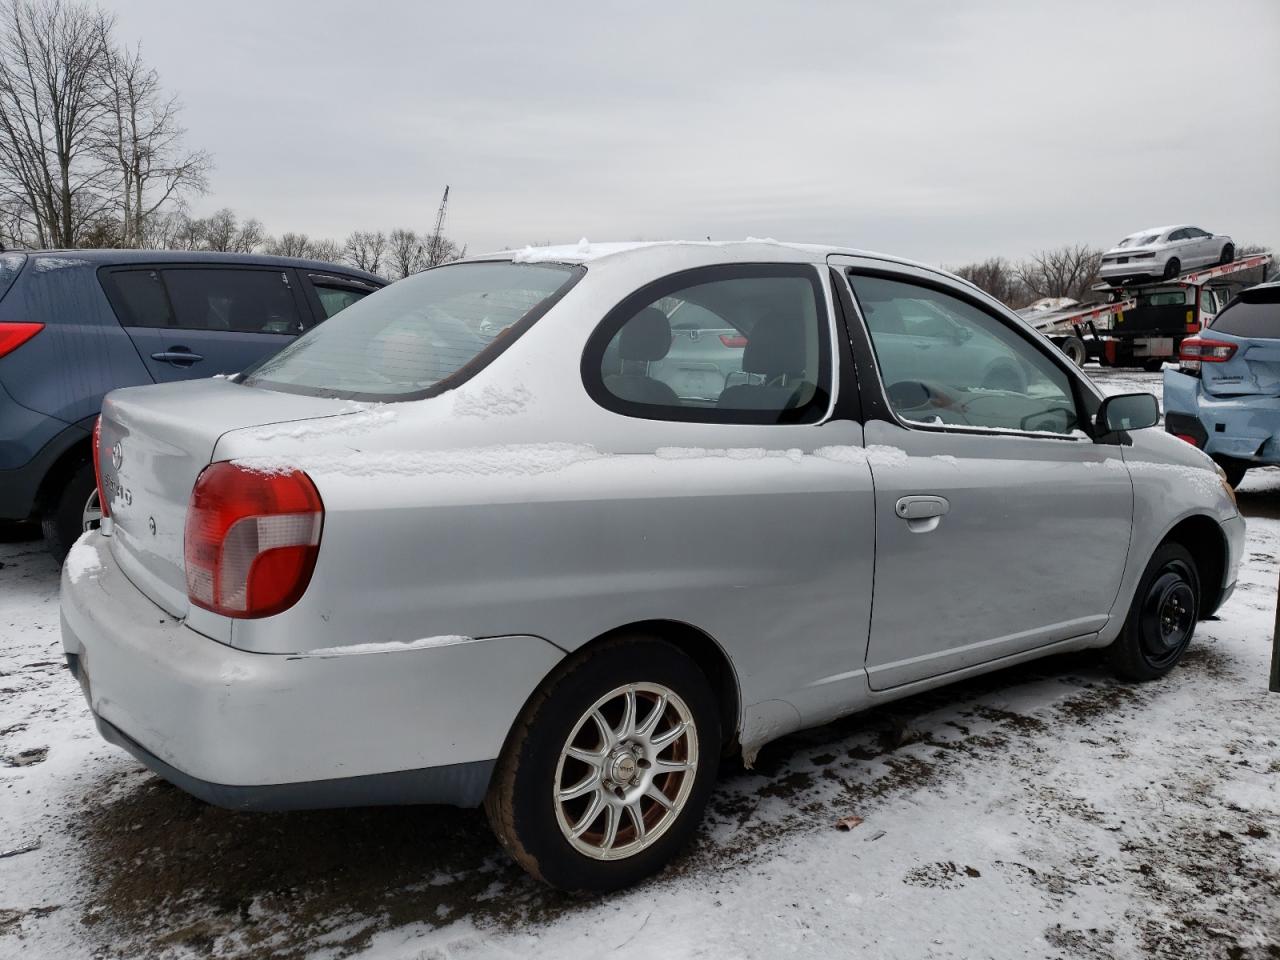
[(167, 870)]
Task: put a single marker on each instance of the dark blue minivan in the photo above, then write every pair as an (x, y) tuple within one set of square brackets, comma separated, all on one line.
[(75, 324)]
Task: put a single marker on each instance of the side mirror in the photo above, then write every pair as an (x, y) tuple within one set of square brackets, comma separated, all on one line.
[(1128, 411)]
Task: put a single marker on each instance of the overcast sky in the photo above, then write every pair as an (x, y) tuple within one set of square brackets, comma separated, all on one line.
[(941, 131)]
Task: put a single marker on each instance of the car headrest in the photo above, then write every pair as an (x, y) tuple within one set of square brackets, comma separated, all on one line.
[(775, 347), (647, 336)]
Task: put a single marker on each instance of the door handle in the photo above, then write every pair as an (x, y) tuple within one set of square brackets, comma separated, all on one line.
[(177, 356), (924, 513)]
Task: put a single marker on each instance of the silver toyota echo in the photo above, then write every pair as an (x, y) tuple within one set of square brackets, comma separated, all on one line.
[(499, 534)]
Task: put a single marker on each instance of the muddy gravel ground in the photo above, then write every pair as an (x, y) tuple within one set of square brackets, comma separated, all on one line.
[(1043, 811)]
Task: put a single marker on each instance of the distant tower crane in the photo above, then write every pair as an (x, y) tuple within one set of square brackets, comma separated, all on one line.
[(435, 251)]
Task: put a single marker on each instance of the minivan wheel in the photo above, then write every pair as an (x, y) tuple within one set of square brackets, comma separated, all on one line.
[(1162, 619), (605, 775), (71, 512)]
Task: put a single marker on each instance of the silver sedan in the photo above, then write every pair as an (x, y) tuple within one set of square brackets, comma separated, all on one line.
[(1161, 253), (463, 544)]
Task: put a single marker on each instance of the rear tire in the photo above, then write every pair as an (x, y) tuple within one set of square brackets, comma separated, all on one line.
[(615, 817), (1075, 350), (1228, 254), (1172, 268), (1234, 469), (1162, 618), (64, 521)]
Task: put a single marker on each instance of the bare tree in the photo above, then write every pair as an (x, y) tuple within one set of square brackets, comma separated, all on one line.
[(327, 250), (49, 116), (405, 254), (223, 231), (290, 245), (143, 141), (365, 249), (997, 277), (1062, 272)]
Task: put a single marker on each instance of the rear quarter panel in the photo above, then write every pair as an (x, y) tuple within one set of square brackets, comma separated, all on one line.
[(82, 352)]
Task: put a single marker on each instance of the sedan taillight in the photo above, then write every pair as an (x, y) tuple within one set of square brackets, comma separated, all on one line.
[(1197, 350), (252, 539)]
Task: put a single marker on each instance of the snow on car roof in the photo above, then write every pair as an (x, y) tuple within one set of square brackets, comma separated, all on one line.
[(585, 251)]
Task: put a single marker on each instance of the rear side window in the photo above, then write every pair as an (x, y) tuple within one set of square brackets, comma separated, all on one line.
[(243, 301), (419, 336), (732, 344), (1254, 314), (10, 267), (139, 298)]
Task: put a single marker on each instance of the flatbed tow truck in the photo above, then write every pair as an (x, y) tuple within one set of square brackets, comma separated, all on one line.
[(1143, 325)]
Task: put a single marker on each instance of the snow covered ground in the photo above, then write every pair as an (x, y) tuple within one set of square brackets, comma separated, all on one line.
[(1044, 811)]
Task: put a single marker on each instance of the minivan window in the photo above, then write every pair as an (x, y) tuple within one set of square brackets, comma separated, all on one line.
[(1253, 314), (742, 344), (244, 301), (420, 335), (10, 266)]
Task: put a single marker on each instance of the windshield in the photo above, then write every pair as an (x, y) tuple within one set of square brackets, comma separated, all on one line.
[(423, 334), (1139, 241), (10, 265)]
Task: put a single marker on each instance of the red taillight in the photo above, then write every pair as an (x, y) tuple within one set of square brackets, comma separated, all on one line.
[(730, 340), (252, 539), (13, 335), (97, 465), (1188, 438), (1205, 350)]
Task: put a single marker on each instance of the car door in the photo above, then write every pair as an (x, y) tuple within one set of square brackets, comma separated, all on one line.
[(1001, 526), (197, 321)]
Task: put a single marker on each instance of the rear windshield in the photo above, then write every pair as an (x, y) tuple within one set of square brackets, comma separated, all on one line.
[(10, 266), (1255, 313), (419, 336), (1139, 241)]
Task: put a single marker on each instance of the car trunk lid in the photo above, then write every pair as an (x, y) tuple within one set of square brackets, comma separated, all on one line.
[(154, 442)]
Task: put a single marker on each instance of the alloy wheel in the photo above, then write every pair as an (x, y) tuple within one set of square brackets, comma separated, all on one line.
[(626, 770)]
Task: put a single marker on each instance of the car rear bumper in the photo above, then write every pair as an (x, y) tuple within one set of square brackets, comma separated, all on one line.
[(1136, 268), (290, 731), (1242, 428)]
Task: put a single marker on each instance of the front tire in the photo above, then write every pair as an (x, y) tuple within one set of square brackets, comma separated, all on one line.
[(1162, 618), (70, 511), (605, 775), (1228, 254)]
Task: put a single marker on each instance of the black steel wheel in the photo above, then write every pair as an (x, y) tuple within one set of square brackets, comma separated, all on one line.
[(1162, 618)]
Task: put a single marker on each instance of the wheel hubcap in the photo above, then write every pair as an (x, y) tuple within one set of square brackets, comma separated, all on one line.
[(626, 771)]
